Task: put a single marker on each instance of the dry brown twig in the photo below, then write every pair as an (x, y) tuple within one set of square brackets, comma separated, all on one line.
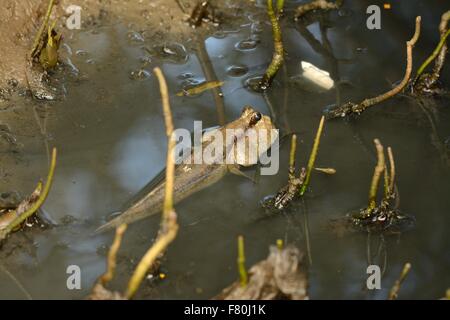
[(169, 225), (393, 294), (99, 292), (352, 108), (111, 265)]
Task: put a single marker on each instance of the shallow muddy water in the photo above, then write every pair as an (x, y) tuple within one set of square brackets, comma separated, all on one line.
[(108, 127)]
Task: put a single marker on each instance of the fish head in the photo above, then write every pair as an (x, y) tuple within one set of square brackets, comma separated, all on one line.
[(259, 135)]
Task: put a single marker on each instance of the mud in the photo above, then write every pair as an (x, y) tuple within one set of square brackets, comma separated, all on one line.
[(160, 20)]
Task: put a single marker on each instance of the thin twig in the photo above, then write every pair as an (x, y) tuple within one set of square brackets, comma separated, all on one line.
[(393, 294), (352, 108), (169, 226), (433, 55), (426, 82), (292, 156), (112, 254), (241, 262), (43, 196), (307, 233), (312, 157), (379, 168), (278, 55), (386, 184), (280, 7), (37, 39), (16, 281), (392, 167), (210, 75)]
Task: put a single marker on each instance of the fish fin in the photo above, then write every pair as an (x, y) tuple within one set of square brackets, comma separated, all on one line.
[(114, 223)]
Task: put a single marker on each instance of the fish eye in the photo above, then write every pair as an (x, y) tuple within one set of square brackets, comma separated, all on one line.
[(255, 118)]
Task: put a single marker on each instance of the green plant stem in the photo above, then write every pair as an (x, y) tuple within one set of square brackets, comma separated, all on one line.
[(379, 168), (278, 55), (293, 151), (37, 39), (433, 55), (312, 157), (20, 219), (280, 6), (241, 262)]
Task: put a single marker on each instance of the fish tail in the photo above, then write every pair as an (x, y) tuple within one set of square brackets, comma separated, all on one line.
[(114, 223), (129, 216)]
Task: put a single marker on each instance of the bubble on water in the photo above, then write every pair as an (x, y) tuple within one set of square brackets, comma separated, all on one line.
[(237, 70), (253, 83), (173, 52), (219, 34), (362, 50), (247, 44), (185, 75), (146, 60), (257, 27), (81, 53), (140, 74), (135, 37)]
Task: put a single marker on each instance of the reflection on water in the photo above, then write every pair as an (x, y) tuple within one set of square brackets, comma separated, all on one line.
[(111, 140)]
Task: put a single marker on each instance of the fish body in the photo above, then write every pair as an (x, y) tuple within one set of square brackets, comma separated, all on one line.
[(191, 177)]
